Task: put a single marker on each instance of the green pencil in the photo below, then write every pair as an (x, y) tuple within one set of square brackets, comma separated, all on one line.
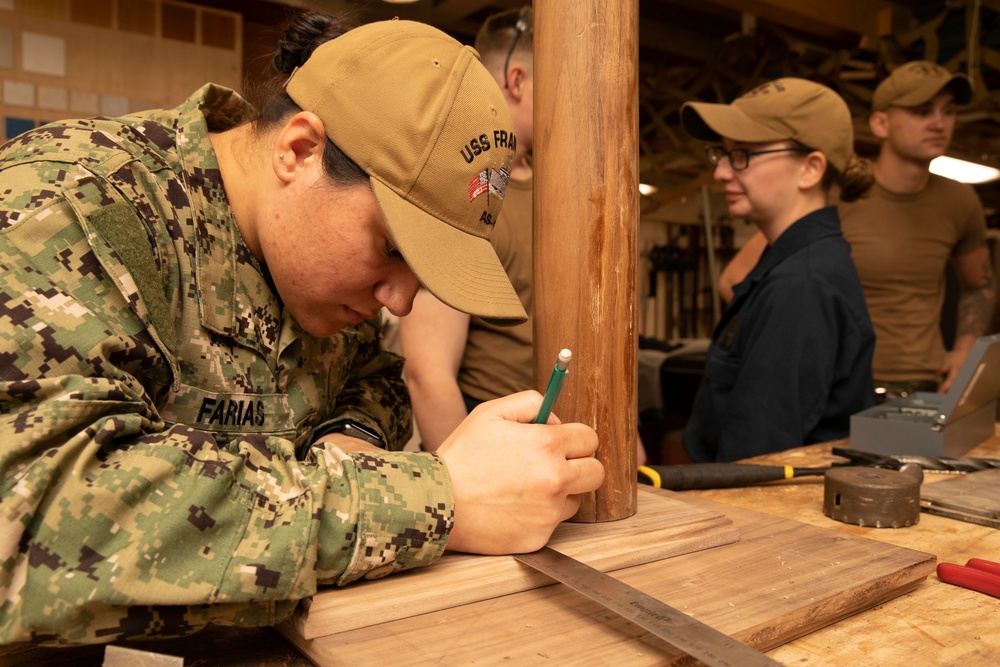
[(555, 384)]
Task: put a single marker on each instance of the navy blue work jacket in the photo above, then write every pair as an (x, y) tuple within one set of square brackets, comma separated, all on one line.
[(790, 360)]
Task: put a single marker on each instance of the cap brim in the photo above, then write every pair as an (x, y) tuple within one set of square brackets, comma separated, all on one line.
[(711, 122), (460, 269), (958, 84)]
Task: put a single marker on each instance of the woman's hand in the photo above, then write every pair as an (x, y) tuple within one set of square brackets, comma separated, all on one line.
[(513, 480)]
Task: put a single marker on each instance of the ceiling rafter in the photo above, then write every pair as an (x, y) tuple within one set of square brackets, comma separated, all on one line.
[(697, 49)]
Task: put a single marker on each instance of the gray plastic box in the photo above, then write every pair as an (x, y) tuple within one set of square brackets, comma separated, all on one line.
[(928, 424)]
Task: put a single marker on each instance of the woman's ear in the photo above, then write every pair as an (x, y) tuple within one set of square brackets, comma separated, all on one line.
[(298, 146), (813, 169)]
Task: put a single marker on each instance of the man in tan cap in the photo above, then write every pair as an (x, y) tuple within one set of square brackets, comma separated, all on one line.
[(911, 225), (906, 231), (454, 360), (790, 360)]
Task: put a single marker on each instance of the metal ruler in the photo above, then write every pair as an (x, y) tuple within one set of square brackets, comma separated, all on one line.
[(691, 636)]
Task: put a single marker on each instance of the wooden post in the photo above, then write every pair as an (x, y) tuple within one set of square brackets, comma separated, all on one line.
[(586, 208)]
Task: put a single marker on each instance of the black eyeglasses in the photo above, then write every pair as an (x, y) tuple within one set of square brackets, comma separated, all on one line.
[(522, 25), (739, 158)]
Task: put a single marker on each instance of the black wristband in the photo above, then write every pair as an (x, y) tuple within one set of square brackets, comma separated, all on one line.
[(354, 429)]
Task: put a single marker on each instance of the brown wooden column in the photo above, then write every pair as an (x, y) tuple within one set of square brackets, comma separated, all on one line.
[(586, 208)]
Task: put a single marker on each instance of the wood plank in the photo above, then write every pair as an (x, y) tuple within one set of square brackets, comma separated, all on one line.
[(664, 527), (936, 624), (783, 579), (852, 16)]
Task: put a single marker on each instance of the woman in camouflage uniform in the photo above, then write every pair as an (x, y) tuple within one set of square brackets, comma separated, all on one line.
[(193, 400)]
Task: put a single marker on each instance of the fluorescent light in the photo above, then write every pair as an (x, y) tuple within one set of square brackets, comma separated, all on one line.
[(647, 190), (965, 172)]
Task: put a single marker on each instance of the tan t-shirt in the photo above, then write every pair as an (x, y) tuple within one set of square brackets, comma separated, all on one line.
[(901, 244), (498, 360)]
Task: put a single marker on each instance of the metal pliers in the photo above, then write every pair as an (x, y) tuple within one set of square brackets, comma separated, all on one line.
[(977, 574)]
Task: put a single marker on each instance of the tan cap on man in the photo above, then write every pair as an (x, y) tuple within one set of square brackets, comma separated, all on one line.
[(785, 109), (421, 115), (917, 82)]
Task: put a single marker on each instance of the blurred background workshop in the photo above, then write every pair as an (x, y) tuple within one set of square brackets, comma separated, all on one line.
[(81, 58)]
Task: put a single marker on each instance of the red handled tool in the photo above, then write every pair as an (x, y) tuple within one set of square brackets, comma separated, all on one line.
[(977, 574)]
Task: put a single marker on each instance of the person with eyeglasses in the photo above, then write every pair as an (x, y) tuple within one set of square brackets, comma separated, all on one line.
[(790, 359), (906, 232)]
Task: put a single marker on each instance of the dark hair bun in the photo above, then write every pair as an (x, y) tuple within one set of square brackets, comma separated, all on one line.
[(306, 32), (857, 178)]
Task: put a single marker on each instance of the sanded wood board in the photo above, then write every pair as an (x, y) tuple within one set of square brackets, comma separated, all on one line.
[(662, 527), (781, 580)]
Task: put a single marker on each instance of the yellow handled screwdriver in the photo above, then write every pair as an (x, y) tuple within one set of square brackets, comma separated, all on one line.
[(718, 475)]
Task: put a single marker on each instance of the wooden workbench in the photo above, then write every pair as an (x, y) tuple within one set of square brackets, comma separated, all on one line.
[(936, 624)]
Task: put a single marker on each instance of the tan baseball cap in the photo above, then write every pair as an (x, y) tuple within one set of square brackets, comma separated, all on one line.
[(421, 115), (917, 82), (796, 109)]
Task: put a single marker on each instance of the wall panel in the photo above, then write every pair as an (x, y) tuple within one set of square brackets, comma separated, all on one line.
[(73, 58)]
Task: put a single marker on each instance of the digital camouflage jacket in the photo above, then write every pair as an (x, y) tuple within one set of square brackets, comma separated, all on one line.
[(157, 404)]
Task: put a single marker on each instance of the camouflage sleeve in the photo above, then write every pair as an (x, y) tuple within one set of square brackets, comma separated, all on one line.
[(114, 524), (112, 532), (375, 393)]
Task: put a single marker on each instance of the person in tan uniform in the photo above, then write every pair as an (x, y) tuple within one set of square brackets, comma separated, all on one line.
[(904, 233), (455, 361)]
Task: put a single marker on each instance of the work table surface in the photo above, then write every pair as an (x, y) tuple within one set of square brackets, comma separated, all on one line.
[(936, 624)]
